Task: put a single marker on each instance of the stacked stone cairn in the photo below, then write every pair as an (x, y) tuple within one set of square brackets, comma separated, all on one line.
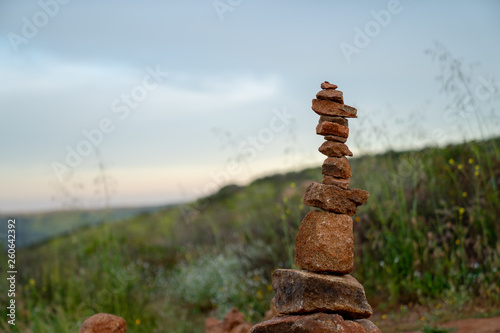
[(322, 296)]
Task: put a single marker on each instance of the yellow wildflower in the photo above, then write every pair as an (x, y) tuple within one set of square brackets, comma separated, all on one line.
[(32, 282), (461, 210), (464, 194), (384, 317), (471, 161), (460, 167), (259, 294), (422, 318), (137, 321), (292, 185), (457, 242), (357, 219), (451, 161)]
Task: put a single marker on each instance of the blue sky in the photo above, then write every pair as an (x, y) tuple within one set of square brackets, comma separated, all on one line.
[(68, 67)]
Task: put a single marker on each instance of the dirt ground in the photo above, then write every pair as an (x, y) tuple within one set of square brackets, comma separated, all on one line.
[(472, 325)]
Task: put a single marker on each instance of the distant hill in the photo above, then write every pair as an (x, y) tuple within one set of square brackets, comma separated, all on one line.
[(34, 228)]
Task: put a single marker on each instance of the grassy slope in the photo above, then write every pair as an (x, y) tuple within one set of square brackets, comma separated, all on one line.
[(428, 235)]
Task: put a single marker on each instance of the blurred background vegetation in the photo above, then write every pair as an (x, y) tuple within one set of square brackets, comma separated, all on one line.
[(428, 236)]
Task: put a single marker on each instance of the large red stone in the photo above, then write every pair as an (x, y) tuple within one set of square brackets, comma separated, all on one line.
[(325, 243), (334, 149), (335, 199), (313, 323), (331, 95), (104, 323), (329, 108), (329, 128), (337, 167), (300, 292)]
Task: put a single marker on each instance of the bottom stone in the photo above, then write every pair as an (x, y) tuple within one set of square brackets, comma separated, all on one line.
[(315, 323)]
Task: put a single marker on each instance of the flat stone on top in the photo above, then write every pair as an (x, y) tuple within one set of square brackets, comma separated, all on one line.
[(328, 85)]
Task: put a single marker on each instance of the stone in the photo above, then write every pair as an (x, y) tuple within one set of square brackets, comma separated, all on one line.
[(233, 322), (335, 138), (232, 319), (325, 243), (334, 149), (328, 85), (213, 325), (301, 292), (328, 128), (331, 95), (329, 108), (313, 323), (335, 199), (368, 325), (336, 167), (340, 182), (241, 328), (334, 119), (104, 323)]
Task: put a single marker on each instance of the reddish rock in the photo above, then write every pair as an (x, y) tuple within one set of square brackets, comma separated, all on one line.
[(325, 243), (104, 323), (328, 128), (335, 199), (334, 149), (300, 292), (337, 167), (335, 138), (340, 182), (313, 323), (242, 328), (213, 325), (232, 319), (331, 95), (329, 108), (333, 119), (368, 325), (328, 85), (233, 322)]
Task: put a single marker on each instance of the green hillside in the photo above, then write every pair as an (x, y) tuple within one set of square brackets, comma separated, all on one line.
[(428, 235)]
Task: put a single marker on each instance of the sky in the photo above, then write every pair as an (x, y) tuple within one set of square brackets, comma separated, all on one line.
[(128, 103)]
